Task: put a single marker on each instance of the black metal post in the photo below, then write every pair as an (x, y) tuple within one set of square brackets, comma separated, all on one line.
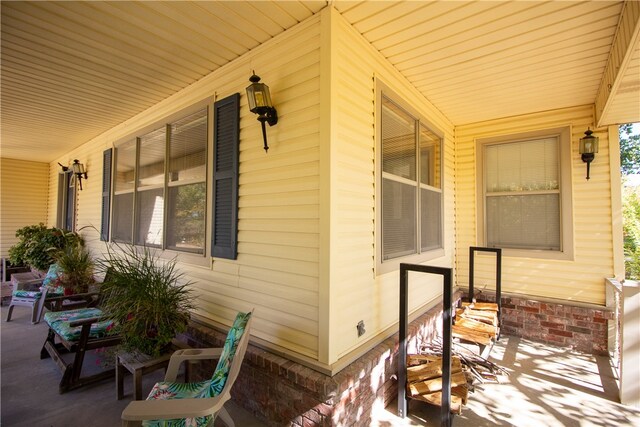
[(446, 273), (402, 341), (498, 252)]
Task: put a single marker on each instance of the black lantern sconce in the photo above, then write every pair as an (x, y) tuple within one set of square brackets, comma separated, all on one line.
[(260, 104), (588, 148), (79, 171)]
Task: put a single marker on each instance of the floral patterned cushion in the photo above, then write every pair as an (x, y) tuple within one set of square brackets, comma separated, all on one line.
[(59, 322), (204, 389), (22, 293), (52, 279)]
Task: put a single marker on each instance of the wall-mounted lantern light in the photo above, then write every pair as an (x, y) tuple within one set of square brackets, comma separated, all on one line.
[(79, 171), (260, 104), (588, 148)]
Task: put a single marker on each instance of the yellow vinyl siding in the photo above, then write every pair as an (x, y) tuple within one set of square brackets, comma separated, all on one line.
[(580, 279), (278, 232), (23, 198), (357, 291)]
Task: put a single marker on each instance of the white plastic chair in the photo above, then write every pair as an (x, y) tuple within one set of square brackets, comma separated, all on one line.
[(176, 408)]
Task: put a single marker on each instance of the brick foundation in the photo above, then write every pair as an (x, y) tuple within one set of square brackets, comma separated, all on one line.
[(580, 327), (281, 392), (284, 393)]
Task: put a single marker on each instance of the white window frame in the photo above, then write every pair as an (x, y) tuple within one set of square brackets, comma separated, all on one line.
[(386, 266), (566, 251)]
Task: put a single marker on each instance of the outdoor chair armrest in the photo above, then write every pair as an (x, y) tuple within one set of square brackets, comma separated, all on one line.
[(139, 410), (184, 355), (84, 295), (29, 284), (88, 320), (89, 298)]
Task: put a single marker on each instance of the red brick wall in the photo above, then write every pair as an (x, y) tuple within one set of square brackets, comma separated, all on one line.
[(284, 393), (582, 328)]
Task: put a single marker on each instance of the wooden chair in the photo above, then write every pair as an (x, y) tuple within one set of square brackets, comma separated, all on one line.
[(77, 331), (177, 404)]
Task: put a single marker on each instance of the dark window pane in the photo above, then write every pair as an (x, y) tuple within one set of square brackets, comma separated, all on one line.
[(150, 217), (185, 224), (524, 222), (431, 220), (122, 217), (398, 219)]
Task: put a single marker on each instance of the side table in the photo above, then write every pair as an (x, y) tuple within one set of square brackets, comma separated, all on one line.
[(139, 364)]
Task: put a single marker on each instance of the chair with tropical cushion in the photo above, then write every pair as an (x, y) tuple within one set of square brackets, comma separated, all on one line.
[(34, 292), (77, 331), (194, 404)]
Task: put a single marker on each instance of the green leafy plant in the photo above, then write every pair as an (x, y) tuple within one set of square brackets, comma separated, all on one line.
[(146, 297), (77, 267), (631, 231), (38, 244)]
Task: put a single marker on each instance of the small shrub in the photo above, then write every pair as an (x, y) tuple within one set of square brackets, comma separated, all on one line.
[(145, 298), (38, 244)]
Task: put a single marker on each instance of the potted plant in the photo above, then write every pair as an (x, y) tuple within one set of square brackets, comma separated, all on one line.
[(76, 266), (146, 297), (38, 244)]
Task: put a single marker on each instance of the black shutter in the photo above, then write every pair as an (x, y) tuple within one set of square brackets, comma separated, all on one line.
[(106, 194), (226, 141)]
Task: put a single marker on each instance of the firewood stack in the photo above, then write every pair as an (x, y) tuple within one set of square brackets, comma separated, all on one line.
[(424, 375), (424, 380), (476, 322)]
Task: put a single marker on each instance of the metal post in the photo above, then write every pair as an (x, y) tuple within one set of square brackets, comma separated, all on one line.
[(471, 270), (446, 273), (498, 252), (402, 341)]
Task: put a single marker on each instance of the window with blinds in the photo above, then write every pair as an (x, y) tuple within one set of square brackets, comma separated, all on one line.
[(411, 184), (522, 191), (159, 197)]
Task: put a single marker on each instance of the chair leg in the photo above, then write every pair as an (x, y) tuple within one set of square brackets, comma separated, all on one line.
[(34, 313), (40, 309), (226, 418), (10, 311)]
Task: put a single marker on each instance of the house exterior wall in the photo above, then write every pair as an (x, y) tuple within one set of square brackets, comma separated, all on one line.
[(308, 245), (356, 289), (277, 268), (22, 198), (579, 279)]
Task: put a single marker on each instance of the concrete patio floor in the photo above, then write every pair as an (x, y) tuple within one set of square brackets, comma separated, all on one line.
[(547, 386), (29, 386)]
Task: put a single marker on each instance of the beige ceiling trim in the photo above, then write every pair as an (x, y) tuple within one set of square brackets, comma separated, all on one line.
[(623, 51)]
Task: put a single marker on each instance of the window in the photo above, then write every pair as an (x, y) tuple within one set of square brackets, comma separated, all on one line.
[(411, 184), (154, 190), (526, 192), (66, 211), (160, 187)]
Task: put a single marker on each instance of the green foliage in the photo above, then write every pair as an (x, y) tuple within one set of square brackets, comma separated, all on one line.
[(629, 150), (631, 232), (76, 265), (38, 244), (145, 297)]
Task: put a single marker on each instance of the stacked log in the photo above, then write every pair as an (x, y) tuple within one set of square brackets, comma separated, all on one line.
[(424, 381), (476, 322), (424, 374)]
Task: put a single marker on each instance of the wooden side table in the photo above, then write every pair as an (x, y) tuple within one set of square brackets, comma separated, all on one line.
[(139, 364)]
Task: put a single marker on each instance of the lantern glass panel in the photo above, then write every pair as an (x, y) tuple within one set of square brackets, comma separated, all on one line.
[(588, 145)]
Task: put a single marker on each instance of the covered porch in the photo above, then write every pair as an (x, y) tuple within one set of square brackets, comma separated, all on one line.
[(547, 386), (87, 81)]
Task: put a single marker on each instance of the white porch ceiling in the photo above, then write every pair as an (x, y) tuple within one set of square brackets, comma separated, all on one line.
[(72, 70)]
